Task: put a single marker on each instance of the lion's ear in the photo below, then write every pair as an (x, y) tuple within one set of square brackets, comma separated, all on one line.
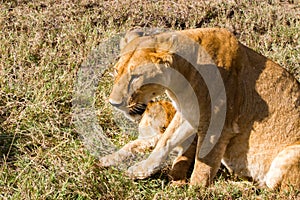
[(166, 43), (130, 36)]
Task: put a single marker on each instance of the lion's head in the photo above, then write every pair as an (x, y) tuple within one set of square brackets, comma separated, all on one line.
[(140, 65)]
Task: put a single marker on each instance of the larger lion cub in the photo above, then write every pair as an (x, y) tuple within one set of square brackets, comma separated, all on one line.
[(260, 131)]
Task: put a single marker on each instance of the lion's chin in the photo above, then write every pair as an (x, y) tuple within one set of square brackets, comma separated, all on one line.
[(133, 117)]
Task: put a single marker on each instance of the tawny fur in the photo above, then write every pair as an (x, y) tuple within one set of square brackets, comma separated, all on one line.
[(261, 134)]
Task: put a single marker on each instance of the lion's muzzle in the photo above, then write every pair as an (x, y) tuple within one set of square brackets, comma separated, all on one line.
[(116, 104)]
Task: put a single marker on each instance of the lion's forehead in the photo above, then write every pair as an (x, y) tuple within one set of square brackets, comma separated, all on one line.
[(129, 62)]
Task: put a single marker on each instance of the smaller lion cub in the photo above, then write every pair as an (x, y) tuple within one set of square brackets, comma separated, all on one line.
[(152, 125)]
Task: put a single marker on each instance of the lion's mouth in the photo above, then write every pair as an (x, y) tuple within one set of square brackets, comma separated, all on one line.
[(137, 109)]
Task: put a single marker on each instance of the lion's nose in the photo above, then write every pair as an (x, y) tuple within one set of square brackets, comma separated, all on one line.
[(116, 104)]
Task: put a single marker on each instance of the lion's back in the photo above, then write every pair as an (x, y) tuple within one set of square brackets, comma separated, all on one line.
[(269, 116)]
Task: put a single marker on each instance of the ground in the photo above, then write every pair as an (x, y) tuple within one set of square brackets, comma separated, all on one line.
[(43, 47)]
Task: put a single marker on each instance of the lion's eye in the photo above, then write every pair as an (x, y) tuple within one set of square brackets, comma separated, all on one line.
[(133, 79)]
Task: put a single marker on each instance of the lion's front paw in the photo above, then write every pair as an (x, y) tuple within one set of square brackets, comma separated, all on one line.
[(142, 170), (108, 161)]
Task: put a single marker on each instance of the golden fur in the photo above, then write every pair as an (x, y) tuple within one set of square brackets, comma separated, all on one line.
[(261, 134)]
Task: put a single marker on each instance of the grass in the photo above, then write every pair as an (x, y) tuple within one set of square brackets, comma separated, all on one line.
[(44, 45)]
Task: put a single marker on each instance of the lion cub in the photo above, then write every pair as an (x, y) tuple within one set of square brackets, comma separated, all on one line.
[(152, 125)]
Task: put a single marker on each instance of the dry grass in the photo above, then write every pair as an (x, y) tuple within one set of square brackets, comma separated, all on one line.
[(43, 44)]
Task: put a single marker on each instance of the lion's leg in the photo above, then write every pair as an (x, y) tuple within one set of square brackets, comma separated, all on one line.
[(129, 151), (182, 164), (205, 168), (154, 118), (285, 169), (176, 133)]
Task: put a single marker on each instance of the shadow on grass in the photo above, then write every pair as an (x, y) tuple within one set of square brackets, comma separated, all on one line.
[(7, 147)]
